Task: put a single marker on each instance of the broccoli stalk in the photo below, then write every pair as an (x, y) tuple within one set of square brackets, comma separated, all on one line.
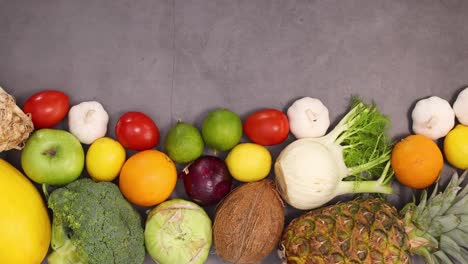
[(65, 251), (93, 223)]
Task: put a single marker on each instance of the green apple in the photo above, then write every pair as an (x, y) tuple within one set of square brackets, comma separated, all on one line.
[(53, 157)]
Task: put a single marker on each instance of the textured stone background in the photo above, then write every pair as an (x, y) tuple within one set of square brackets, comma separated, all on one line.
[(178, 59)]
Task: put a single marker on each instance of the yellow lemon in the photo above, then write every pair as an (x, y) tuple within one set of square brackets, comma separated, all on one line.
[(456, 147), (104, 159), (249, 162)]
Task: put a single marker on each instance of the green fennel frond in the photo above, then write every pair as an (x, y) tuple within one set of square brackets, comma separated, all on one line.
[(365, 141)]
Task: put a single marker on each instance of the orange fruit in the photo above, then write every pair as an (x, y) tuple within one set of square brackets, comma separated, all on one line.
[(417, 161), (148, 178)]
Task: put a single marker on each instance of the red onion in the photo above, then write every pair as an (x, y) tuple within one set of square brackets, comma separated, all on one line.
[(207, 180)]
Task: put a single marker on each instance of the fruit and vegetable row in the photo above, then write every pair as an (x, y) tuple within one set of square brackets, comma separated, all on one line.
[(81, 219)]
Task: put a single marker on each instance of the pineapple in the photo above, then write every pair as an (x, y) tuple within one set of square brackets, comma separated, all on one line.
[(373, 231)]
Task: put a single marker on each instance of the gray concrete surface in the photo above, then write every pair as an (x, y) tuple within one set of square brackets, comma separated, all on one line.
[(178, 59)]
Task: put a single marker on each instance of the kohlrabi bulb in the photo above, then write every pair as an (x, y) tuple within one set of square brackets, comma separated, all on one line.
[(178, 231)]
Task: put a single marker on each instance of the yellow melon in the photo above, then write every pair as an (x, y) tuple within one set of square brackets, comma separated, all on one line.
[(24, 221)]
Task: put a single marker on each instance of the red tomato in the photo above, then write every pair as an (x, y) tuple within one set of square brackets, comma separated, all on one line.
[(47, 108), (267, 127), (137, 131)]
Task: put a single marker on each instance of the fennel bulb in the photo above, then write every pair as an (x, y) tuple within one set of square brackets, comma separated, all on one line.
[(310, 172)]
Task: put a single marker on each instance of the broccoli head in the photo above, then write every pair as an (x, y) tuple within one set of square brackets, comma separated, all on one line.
[(93, 223)]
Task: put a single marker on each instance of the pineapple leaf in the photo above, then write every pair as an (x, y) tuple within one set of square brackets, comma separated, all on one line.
[(461, 194), (408, 212), (420, 215), (443, 257), (422, 203), (464, 192), (458, 236), (443, 224), (464, 253), (424, 252), (448, 197), (463, 176), (451, 248), (434, 206), (463, 223), (434, 192), (461, 207), (439, 204)]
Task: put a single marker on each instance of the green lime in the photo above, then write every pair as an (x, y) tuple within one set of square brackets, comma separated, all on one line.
[(184, 143), (222, 129)]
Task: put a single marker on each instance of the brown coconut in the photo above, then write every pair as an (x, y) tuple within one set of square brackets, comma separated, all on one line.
[(248, 223)]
